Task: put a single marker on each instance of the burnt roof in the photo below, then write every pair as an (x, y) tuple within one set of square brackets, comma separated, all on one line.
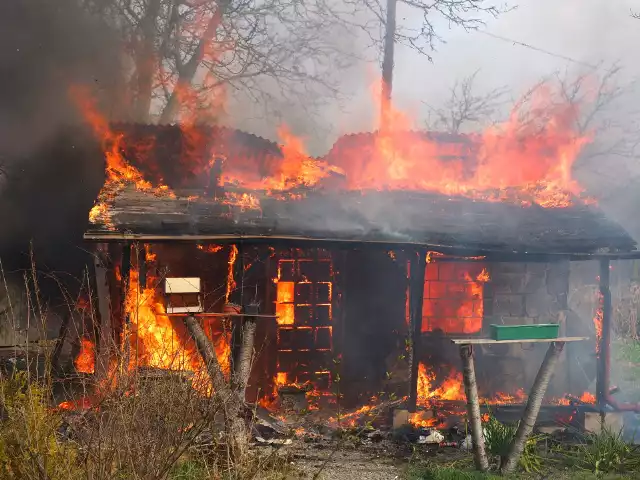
[(393, 218), (385, 217)]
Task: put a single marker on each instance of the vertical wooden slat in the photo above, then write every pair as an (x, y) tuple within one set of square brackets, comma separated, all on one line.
[(416, 293), (104, 334), (125, 283), (604, 342)]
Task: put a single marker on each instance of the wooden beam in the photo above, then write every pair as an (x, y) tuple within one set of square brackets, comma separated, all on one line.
[(511, 253), (416, 294)]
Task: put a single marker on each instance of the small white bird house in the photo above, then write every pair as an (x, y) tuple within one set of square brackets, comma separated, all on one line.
[(183, 295)]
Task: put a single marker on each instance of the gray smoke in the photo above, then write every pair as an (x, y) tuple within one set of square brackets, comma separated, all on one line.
[(51, 171)]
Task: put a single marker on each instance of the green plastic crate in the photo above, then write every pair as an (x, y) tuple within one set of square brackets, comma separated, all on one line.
[(524, 332)]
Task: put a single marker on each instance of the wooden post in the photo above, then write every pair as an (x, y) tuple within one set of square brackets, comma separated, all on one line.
[(473, 408), (62, 336), (142, 266), (126, 319), (603, 346), (416, 294), (104, 333), (237, 297), (532, 409)]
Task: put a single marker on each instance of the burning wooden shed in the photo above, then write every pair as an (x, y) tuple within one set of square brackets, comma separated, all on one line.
[(367, 282)]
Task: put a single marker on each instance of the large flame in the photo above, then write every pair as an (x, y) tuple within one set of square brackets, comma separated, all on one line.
[(156, 339), (528, 159)]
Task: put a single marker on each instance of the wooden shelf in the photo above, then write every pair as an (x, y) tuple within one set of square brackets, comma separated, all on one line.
[(489, 341)]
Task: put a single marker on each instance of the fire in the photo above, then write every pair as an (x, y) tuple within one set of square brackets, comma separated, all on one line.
[(210, 248), (85, 361), (281, 379), (231, 283), (155, 339), (586, 397), (483, 276), (159, 341), (453, 295), (423, 419), (519, 396), (451, 389), (294, 169), (597, 321), (524, 160), (119, 172)]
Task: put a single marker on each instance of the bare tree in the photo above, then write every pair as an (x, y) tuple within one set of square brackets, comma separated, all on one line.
[(195, 52), (598, 95), (465, 108), (385, 32)]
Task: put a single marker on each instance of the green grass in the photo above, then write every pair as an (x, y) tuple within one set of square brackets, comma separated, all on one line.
[(188, 470), (445, 473), (450, 473), (605, 452)]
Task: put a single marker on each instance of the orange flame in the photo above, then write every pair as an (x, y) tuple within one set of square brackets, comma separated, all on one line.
[(453, 296), (231, 283), (597, 321), (586, 397), (119, 172), (85, 361), (451, 389), (210, 248), (159, 341), (524, 160)]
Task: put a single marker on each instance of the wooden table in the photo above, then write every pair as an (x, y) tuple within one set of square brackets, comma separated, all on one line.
[(534, 400)]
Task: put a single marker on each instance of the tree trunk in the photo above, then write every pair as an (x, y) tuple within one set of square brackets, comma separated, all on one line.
[(233, 404), (473, 408), (533, 407), (188, 70), (208, 354), (387, 65), (245, 358), (146, 62)]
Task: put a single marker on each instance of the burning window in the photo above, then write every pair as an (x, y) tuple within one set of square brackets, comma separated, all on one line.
[(453, 296), (304, 308)]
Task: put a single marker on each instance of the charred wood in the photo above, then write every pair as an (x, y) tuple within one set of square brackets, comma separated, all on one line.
[(416, 294)]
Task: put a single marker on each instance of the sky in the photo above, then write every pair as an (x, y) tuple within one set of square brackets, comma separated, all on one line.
[(590, 31)]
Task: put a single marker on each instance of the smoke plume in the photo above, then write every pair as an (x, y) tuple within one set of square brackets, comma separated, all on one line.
[(50, 173)]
